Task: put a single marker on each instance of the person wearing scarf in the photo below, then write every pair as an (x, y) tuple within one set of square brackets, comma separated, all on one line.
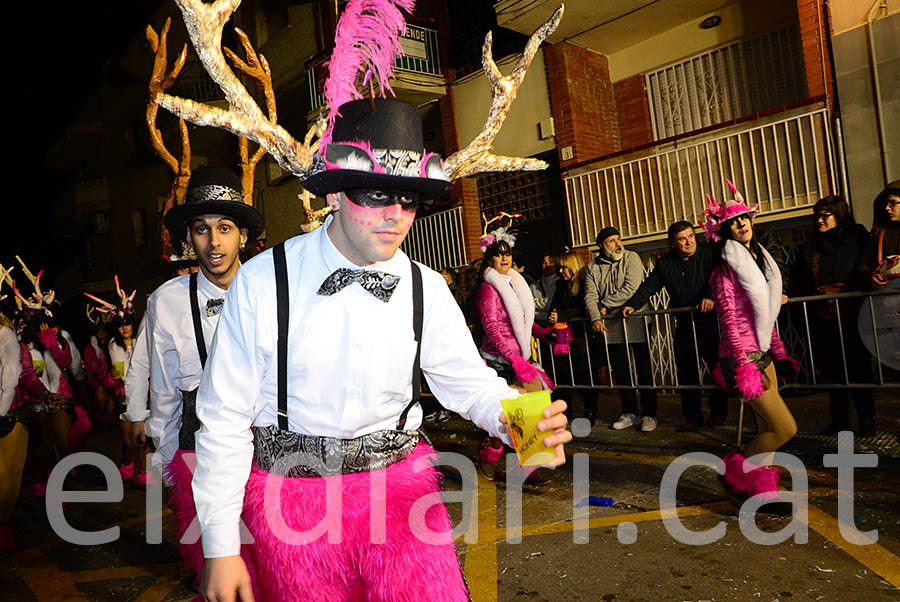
[(746, 287), (506, 309)]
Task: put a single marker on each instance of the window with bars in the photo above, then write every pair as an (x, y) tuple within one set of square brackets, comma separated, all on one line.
[(728, 82)]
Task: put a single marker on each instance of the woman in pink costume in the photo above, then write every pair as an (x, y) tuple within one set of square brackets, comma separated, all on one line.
[(96, 367), (506, 308), (746, 285)]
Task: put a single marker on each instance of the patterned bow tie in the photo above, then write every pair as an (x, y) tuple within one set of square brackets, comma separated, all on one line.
[(381, 285), (213, 307)]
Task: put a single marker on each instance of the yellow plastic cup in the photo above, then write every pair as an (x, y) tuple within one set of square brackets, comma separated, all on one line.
[(38, 367), (120, 368), (522, 416)]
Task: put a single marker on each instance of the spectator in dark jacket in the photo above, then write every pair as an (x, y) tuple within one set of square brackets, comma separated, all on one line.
[(684, 272), (828, 264), (879, 260)]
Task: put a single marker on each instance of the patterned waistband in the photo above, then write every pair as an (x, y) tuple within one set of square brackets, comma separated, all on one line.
[(290, 454)]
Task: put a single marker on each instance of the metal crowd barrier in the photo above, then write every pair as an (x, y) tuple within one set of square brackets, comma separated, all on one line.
[(658, 328)]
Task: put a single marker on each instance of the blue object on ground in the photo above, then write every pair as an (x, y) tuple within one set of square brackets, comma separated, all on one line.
[(595, 501)]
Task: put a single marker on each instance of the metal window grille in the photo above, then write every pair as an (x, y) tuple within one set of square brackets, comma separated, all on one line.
[(727, 82), (438, 240), (783, 165)]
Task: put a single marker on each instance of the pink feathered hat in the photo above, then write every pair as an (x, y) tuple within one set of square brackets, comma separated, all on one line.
[(717, 214)]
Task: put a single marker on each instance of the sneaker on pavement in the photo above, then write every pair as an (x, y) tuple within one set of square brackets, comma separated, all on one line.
[(430, 417), (648, 423), (625, 421), (442, 416)]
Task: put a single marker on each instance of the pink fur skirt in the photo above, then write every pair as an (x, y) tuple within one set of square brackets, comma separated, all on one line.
[(381, 535), (180, 471)]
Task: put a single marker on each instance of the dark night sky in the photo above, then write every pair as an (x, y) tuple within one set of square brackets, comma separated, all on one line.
[(46, 79)]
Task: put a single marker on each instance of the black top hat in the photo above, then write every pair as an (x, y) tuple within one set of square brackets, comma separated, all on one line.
[(217, 191), (380, 147)]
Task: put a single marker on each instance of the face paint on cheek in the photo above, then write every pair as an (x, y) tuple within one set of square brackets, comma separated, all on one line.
[(363, 216)]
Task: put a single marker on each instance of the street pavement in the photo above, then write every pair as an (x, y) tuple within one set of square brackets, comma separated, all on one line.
[(626, 551)]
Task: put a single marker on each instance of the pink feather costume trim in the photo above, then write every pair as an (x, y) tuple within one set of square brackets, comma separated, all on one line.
[(180, 472), (367, 41), (489, 454), (395, 558), (81, 429), (758, 480)]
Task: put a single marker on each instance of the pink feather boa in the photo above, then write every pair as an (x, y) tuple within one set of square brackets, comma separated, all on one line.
[(401, 556), (180, 472)]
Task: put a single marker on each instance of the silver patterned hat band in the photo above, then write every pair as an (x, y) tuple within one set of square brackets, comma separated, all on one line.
[(213, 192)]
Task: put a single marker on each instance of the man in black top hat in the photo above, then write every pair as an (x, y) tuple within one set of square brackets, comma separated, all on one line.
[(360, 324), (179, 325)]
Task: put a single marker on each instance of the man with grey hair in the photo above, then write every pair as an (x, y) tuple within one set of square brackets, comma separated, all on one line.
[(611, 280)]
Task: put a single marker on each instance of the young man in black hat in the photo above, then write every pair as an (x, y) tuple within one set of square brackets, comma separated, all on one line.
[(179, 326), (336, 377)]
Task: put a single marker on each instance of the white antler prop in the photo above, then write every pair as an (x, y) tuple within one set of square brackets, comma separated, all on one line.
[(205, 22), (477, 156)]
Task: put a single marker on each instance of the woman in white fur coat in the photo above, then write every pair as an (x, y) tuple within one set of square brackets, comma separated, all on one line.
[(746, 286)]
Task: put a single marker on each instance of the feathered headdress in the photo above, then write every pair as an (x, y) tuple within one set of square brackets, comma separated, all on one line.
[(124, 309), (38, 301), (502, 233), (367, 43), (716, 214)]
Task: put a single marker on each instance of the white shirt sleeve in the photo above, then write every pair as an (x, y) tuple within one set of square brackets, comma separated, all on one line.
[(76, 367), (137, 380), (225, 407), (10, 368), (165, 398)]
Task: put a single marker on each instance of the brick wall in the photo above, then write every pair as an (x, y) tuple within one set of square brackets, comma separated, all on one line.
[(582, 102), (633, 111), (464, 190), (811, 19)]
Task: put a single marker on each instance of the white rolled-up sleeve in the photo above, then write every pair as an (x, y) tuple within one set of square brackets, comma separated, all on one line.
[(165, 398), (226, 404), (137, 379)]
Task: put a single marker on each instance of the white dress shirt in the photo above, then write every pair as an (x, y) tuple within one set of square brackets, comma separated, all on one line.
[(117, 354), (174, 359), (350, 360), (137, 380), (10, 368)]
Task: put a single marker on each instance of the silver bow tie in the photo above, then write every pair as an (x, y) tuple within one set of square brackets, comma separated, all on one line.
[(380, 284), (214, 306)]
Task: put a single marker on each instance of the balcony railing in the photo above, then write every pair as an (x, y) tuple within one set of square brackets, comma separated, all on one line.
[(438, 240), (420, 46), (783, 165)]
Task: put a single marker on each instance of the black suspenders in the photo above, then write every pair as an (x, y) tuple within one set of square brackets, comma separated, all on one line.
[(418, 316), (195, 315), (283, 315)]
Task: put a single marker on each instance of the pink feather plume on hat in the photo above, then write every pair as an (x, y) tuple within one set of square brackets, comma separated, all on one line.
[(367, 41), (716, 214)]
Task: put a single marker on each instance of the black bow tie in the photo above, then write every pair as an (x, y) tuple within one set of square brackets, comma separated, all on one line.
[(381, 285), (214, 306)]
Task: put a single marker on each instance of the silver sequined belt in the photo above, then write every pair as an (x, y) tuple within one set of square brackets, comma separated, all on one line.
[(290, 454)]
